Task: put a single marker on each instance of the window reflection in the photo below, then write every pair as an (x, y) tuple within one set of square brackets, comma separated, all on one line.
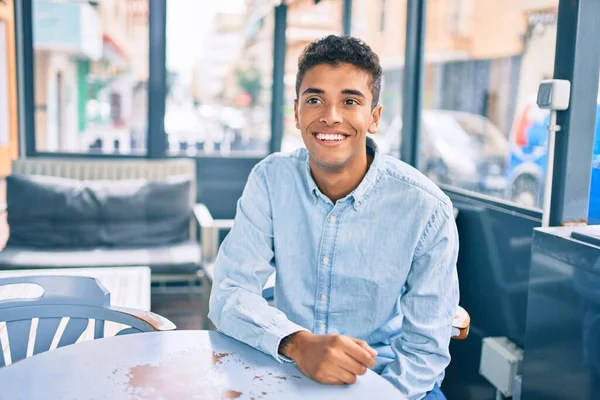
[(219, 67), (484, 61), (91, 69)]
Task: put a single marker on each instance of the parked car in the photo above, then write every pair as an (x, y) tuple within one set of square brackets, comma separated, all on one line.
[(526, 169), (457, 148)]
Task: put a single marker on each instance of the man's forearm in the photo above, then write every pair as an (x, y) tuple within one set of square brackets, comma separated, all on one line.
[(240, 322)]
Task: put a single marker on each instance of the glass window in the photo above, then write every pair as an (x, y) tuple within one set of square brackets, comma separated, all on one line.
[(594, 208), (219, 89), (481, 128), (91, 69), (380, 24)]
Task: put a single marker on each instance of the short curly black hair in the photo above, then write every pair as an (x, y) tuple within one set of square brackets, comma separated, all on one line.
[(334, 50)]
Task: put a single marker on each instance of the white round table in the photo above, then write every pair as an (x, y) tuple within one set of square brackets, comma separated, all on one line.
[(172, 365)]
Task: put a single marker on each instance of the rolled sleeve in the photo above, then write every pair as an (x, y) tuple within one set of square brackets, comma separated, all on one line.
[(273, 336)]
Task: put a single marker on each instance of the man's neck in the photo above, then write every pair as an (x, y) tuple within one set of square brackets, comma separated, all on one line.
[(338, 184)]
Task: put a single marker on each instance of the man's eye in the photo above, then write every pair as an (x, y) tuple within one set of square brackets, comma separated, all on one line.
[(350, 102), (313, 100)]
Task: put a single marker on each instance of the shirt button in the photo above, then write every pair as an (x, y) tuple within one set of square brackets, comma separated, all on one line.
[(323, 297), (358, 204), (322, 327), (325, 260), (332, 218)]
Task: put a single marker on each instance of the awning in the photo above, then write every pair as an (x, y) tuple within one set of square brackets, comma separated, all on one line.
[(113, 51)]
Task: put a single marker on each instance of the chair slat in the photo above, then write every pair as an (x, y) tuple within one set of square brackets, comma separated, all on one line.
[(98, 329), (46, 330), (18, 338), (73, 331), (2, 361)]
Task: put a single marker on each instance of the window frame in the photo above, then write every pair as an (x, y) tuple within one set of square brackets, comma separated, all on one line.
[(571, 23), (577, 59)]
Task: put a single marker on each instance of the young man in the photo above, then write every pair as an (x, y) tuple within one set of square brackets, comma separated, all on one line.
[(364, 246)]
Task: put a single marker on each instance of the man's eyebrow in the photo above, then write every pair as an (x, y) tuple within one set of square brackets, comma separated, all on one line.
[(312, 90), (353, 92)]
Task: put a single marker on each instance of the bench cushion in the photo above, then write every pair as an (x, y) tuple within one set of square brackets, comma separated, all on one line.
[(175, 258), (53, 212)]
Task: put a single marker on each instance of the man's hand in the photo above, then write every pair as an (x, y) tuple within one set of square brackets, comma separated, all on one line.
[(331, 359)]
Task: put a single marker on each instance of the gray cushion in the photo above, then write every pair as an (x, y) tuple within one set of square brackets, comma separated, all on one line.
[(181, 257), (53, 212)]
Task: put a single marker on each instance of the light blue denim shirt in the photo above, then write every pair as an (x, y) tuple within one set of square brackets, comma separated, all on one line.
[(378, 265)]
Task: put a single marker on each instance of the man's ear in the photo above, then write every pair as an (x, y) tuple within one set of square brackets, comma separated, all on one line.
[(375, 118), (296, 113)]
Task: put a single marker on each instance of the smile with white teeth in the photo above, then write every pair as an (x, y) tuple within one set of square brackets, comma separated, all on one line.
[(330, 136)]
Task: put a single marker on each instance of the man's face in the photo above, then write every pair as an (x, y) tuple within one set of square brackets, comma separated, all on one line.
[(333, 112)]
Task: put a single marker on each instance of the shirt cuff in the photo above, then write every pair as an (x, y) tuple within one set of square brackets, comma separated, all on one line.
[(274, 334)]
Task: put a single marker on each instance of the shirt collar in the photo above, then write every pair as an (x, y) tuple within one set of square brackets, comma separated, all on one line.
[(366, 186)]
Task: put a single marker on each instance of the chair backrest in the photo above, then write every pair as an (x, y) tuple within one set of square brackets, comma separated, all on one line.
[(79, 298), (111, 169)]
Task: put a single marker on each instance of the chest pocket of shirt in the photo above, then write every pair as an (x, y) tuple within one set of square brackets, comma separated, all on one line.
[(353, 309)]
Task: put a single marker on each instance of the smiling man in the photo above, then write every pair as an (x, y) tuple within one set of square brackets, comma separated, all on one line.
[(364, 246)]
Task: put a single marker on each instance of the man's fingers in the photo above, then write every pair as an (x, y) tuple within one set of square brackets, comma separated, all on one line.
[(332, 380), (366, 346), (360, 354), (351, 365), (343, 375)]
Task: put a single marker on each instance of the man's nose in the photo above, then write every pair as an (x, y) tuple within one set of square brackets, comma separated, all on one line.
[(331, 116)]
